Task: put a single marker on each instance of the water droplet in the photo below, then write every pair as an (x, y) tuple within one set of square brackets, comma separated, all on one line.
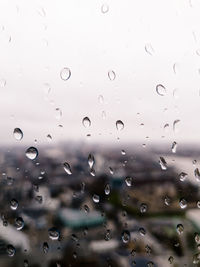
[(142, 231), (111, 75), (107, 235), (67, 168), (176, 68), (167, 201), (196, 258), (166, 127), (96, 198), (53, 233), (198, 204), (107, 189), (86, 208), (58, 113), (31, 153), (86, 122), (26, 263), (150, 264), (91, 161), (49, 137), (161, 90), (197, 174), (14, 204), (171, 259), (45, 247), (39, 199), (41, 12), (123, 152), (92, 172), (149, 49), (143, 208), (119, 125), (197, 238), (19, 223), (163, 163), (175, 125), (125, 236), (2, 83), (18, 134), (182, 176), (10, 250), (104, 8), (183, 203), (174, 147), (179, 229), (103, 115), (101, 99), (128, 181), (175, 93), (65, 74)]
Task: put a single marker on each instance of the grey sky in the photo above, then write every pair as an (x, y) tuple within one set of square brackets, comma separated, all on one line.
[(47, 36)]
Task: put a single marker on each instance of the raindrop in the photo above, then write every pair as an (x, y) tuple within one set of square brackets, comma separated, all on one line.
[(119, 125), (176, 68), (111, 75), (19, 223), (103, 115), (49, 137), (143, 208), (107, 189), (175, 93), (198, 204), (171, 259), (175, 125), (58, 113), (111, 170), (166, 127), (45, 247), (86, 122), (53, 233), (123, 152), (149, 49), (182, 176), (31, 153), (174, 147), (104, 8), (197, 238), (67, 168), (2, 83), (142, 231), (161, 90), (101, 99), (128, 181), (39, 199), (86, 208), (92, 172), (14, 204), (96, 198), (125, 236), (183, 203), (18, 134), (107, 235), (150, 264), (179, 229), (196, 258), (167, 201), (197, 174), (91, 161), (163, 163), (10, 250), (26, 263), (65, 74)]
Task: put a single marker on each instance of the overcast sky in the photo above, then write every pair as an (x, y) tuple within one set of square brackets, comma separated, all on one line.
[(40, 38)]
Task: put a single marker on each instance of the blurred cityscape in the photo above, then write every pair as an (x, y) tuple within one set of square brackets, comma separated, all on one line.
[(95, 205)]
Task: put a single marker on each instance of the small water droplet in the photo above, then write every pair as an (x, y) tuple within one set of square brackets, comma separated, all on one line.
[(58, 113), (197, 174), (39, 199), (92, 172), (65, 74), (96, 198), (91, 161), (128, 181), (101, 99), (67, 168), (123, 152), (179, 229), (86, 208), (10, 250), (166, 127), (104, 8), (19, 223), (167, 201), (198, 204), (196, 258), (18, 134), (111, 170), (171, 259), (26, 263), (86, 122), (149, 49), (45, 247), (174, 147), (182, 176), (142, 231), (143, 208), (150, 264), (175, 126), (107, 189), (119, 125), (49, 137), (197, 238), (183, 203), (14, 204), (163, 163), (161, 90), (2, 82), (53, 233), (111, 75), (125, 236), (175, 93), (31, 153)]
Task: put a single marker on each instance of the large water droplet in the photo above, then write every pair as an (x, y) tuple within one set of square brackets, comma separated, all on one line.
[(111, 75), (10, 250), (53, 233), (65, 74), (96, 198), (163, 163), (19, 223), (86, 122), (119, 125), (91, 161), (104, 8), (125, 236), (32, 153), (174, 147), (18, 134), (149, 49), (182, 176), (197, 174), (67, 168), (161, 90), (14, 204)]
